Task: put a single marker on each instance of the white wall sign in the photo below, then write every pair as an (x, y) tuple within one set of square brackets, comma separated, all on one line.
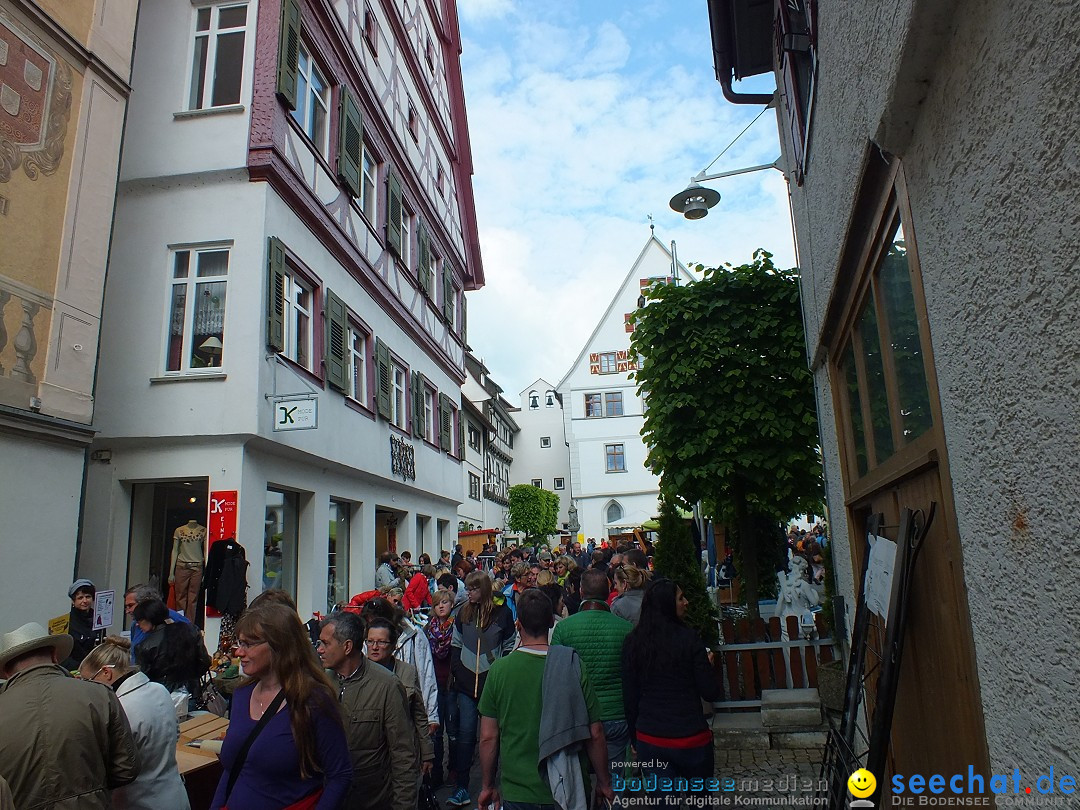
[(103, 609), (296, 413), (879, 574)]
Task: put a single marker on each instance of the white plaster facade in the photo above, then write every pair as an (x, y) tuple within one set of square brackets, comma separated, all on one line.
[(542, 453), (241, 179), (976, 104), (491, 445), (612, 488)]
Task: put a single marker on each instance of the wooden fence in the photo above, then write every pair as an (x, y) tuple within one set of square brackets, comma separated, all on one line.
[(745, 667)]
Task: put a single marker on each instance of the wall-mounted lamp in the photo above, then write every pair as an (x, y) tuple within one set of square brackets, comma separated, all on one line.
[(695, 200)]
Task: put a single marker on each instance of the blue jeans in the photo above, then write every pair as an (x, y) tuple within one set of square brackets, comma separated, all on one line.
[(467, 719), (690, 763), (449, 725), (618, 738), (526, 806)]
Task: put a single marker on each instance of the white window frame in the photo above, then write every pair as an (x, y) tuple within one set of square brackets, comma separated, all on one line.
[(358, 364), (369, 176), (538, 483), (191, 282), (399, 415), (406, 236), (609, 363), (212, 34), (472, 430), (299, 319), (545, 442), (431, 414), (559, 484), (304, 114)]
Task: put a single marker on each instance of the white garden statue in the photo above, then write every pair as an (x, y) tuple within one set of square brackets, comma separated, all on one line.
[(795, 596)]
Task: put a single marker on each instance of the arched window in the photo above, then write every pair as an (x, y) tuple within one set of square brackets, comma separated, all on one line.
[(614, 512), (534, 400), (549, 399)]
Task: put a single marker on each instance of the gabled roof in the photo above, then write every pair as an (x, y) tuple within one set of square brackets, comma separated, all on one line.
[(539, 384), (631, 275)]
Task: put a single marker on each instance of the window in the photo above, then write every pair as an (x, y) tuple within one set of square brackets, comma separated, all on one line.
[(613, 403), (616, 457), (440, 179), (560, 483), (398, 377), (538, 482), (312, 101), (614, 513), (280, 536), (474, 437), (298, 326), (358, 364), (534, 401), (429, 415), (608, 363), (593, 405), (429, 55), (545, 441), (414, 123), (371, 31), (337, 558), (549, 399), (369, 177), (474, 486), (217, 65), (406, 237), (197, 312)]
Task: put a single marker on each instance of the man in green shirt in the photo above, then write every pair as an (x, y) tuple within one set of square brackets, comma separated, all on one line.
[(511, 708)]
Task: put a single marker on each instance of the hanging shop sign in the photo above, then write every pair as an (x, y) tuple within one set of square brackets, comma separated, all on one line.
[(296, 413)]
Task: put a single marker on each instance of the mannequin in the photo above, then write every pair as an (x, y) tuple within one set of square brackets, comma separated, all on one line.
[(189, 543)]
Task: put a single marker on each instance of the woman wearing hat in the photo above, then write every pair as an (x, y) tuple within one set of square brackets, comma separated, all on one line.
[(80, 622)]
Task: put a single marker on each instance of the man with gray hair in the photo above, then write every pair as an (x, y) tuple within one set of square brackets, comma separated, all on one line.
[(378, 725), (140, 593)]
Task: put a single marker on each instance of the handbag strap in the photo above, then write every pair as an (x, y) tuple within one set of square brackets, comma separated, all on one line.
[(241, 756)]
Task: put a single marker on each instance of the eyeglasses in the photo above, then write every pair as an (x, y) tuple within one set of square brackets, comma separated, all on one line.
[(247, 645), (377, 643), (92, 677)]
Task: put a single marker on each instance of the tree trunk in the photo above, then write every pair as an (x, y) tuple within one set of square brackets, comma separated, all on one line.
[(748, 548)]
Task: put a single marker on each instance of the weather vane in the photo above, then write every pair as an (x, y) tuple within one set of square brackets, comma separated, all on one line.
[(652, 225)]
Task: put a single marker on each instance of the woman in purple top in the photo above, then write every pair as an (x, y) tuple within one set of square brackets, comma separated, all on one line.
[(301, 757)]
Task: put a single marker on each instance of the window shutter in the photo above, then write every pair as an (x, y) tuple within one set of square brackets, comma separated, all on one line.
[(289, 53), (423, 265), (448, 293), (350, 137), (417, 405), (460, 437), (446, 416), (275, 304), (394, 213), (464, 318), (337, 346), (382, 362)]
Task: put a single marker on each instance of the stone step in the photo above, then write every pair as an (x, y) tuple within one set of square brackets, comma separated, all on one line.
[(790, 709)]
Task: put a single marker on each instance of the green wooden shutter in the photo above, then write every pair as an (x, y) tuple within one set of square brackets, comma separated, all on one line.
[(460, 436), (382, 363), (423, 264), (337, 343), (394, 212), (417, 405), (349, 142), (446, 418), (275, 303), (289, 53), (448, 293), (464, 318)]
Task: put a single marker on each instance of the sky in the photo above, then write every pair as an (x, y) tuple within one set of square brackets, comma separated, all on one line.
[(585, 117)]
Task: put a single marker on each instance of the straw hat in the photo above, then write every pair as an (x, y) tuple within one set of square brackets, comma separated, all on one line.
[(32, 636)]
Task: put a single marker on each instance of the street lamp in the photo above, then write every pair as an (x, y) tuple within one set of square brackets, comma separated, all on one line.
[(695, 200)]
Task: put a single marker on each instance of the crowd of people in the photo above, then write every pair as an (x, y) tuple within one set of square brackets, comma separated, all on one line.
[(551, 666)]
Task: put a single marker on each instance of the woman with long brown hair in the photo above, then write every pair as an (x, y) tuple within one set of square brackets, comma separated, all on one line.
[(483, 632), (286, 746)]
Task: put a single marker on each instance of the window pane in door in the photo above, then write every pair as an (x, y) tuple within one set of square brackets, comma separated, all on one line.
[(337, 579), (904, 342), (280, 539), (875, 382)]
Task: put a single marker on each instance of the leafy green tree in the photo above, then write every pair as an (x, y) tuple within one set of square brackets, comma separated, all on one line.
[(677, 557), (533, 512), (731, 418)]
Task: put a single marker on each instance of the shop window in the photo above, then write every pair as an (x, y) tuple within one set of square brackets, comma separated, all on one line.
[(337, 560), (281, 537), (217, 65), (197, 311)]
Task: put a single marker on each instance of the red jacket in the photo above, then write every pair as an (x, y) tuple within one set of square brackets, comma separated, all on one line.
[(416, 593)]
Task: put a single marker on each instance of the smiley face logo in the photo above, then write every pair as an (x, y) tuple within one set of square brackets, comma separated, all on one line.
[(861, 783)]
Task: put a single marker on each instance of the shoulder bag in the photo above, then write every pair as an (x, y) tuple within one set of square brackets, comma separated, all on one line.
[(241, 756)]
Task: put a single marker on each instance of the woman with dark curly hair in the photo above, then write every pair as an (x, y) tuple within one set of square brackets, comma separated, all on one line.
[(299, 757), (666, 675)]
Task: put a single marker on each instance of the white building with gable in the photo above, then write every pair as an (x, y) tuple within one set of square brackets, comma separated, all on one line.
[(541, 457), (603, 415)]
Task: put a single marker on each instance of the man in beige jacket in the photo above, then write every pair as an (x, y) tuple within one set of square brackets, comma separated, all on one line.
[(378, 724), (66, 742)]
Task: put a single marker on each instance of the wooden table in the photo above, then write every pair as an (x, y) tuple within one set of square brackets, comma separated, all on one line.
[(200, 769)]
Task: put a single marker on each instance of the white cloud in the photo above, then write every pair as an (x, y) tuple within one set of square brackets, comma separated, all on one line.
[(580, 129), (479, 10)]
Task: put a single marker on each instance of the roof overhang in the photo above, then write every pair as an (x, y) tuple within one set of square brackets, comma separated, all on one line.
[(742, 41)]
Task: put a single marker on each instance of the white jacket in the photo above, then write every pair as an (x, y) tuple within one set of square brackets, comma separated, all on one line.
[(414, 648), (152, 718)]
